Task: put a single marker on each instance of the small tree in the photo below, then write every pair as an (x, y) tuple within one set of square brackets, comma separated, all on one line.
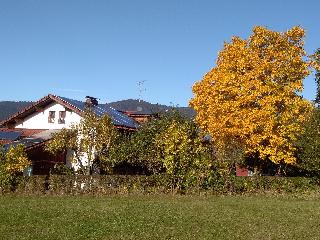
[(89, 140), (309, 145), (139, 149), (12, 163), (170, 144), (182, 152)]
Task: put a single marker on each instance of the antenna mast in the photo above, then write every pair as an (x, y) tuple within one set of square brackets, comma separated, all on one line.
[(141, 88)]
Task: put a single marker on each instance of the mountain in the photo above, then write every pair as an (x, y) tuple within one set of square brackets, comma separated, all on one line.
[(146, 107), (8, 108)]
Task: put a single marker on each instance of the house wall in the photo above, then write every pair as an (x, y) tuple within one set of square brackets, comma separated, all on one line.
[(141, 119), (242, 171), (73, 163), (39, 120)]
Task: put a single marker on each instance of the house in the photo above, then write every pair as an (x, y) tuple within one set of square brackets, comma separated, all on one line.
[(141, 116), (34, 125)]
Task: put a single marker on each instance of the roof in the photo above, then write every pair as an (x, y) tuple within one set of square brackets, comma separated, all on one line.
[(3, 142), (27, 142), (24, 132), (27, 137), (30, 138), (119, 119), (46, 134), (145, 113), (11, 136)]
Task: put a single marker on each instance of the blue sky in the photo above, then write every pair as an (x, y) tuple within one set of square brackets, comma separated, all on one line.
[(75, 48)]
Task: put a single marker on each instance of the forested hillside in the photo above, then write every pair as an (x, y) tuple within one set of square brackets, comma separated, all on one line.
[(146, 107), (8, 108)]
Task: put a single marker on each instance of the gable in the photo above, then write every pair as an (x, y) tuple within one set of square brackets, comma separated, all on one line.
[(49, 118)]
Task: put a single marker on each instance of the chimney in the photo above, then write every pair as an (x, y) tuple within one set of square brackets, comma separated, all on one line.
[(91, 101)]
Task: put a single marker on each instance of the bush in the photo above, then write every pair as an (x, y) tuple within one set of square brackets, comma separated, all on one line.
[(170, 144)]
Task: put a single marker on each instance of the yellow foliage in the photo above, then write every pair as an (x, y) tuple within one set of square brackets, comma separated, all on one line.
[(16, 160), (183, 154), (179, 148), (252, 94)]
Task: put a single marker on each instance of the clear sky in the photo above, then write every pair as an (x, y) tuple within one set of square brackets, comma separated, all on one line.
[(103, 48)]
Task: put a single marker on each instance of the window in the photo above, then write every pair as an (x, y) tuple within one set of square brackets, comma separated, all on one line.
[(51, 117), (62, 116)]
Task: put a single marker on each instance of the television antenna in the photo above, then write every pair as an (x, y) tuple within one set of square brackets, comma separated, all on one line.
[(141, 88)]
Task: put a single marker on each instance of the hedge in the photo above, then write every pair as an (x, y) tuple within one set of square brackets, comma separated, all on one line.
[(158, 184), (84, 184)]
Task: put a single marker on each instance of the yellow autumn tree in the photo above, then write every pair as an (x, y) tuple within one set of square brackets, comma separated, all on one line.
[(251, 97)]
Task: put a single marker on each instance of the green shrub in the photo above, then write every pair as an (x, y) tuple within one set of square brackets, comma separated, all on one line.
[(170, 144)]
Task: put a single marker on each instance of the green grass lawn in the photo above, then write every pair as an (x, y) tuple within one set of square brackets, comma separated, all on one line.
[(159, 217)]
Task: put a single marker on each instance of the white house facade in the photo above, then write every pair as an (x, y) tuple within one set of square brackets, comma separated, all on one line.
[(53, 116)]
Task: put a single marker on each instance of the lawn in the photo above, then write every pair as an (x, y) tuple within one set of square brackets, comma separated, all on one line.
[(159, 217)]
